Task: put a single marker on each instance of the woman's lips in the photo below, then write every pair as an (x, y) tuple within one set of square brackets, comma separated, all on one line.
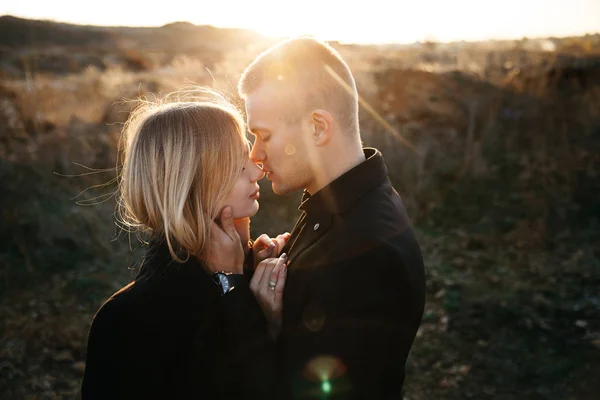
[(255, 195)]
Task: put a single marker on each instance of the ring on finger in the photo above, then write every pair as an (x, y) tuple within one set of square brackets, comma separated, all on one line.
[(272, 285)]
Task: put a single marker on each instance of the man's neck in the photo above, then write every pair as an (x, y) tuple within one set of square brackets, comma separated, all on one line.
[(335, 165)]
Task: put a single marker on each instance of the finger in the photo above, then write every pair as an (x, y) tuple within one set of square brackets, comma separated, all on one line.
[(227, 223), (264, 282), (285, 236), (263, 242), (261, 270), (216, 229), (280, 240), (275, 272), (257, 276), (281, 277), (265, 253)]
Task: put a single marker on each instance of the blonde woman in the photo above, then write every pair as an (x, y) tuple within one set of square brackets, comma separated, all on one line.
[(162, 336)]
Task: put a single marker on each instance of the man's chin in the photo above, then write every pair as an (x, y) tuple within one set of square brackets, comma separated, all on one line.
[(278, 189), (282, 189)]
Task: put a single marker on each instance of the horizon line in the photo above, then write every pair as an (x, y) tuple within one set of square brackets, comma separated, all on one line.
[(343, 42)]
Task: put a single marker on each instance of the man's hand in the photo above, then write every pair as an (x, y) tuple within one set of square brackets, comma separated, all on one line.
[(264, 247), (225, 252)]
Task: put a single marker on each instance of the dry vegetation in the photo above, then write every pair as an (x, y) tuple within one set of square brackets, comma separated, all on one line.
[(495, 148)]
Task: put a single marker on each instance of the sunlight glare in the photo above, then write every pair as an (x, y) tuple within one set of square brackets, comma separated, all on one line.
[(374, 21)]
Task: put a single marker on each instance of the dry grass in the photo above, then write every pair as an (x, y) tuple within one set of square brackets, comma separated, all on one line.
[(500, 176)]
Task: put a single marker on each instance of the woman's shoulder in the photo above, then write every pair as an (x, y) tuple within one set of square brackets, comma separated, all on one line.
[(115, 308), (168, 279)]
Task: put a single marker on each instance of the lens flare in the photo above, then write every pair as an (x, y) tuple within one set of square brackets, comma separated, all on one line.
[(313, 318), (371, 110), (290, 149), (324, 369)]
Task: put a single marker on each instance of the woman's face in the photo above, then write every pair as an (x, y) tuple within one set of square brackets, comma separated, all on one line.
[(243, 198)]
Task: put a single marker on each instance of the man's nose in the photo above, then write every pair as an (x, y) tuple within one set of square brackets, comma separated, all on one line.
[(257, 155)]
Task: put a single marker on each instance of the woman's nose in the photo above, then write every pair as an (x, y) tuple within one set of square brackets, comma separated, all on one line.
[(257, 173)]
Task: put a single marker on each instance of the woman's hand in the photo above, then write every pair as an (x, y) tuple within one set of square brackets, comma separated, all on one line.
[(242, 227), (264, 247), (267, 284)]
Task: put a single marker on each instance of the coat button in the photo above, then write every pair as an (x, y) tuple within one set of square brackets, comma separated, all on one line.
[(316, 226)]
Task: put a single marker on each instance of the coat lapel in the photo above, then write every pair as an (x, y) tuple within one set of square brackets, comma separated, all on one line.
[(299, 272), (311, 231), (294, 234)]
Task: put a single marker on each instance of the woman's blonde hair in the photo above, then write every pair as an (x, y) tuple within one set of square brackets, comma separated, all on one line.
[(181, 159)]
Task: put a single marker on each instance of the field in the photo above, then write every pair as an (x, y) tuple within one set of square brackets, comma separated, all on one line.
[(494, 147)]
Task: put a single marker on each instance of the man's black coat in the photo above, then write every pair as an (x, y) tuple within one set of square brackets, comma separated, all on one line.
[(353, 299)]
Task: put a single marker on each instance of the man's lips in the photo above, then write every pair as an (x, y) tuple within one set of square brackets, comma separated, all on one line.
[(267, 172)]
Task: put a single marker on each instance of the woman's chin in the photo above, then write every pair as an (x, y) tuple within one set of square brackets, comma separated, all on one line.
[(247, 213), (255, 208)]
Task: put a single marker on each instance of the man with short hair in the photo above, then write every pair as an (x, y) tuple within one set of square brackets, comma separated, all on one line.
[(355, 286)]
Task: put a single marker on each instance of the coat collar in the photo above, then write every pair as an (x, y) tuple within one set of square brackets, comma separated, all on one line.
[(338, 196), (335, 198), (158, 260)]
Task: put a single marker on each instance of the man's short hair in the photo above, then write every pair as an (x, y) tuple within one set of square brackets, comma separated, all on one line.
[(310, 71)]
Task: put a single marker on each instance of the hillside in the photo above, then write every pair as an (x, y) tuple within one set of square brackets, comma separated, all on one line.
[(60, 48), (493, 146)]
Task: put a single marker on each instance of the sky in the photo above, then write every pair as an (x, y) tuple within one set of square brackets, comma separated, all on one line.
[(371, 21)]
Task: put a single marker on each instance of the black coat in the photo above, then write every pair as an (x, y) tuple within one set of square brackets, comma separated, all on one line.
[(353, 299), (160, 337)]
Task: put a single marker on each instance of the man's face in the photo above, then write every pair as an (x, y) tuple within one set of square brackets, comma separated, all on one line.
[(282, 139)]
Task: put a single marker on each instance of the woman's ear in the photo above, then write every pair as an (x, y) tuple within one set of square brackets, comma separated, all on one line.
[(322, 123)]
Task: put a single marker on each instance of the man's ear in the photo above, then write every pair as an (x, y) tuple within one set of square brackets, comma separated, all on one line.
[(322, 124)]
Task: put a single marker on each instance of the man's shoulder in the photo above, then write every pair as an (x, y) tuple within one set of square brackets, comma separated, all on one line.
[(379, 213), (379, 222)]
